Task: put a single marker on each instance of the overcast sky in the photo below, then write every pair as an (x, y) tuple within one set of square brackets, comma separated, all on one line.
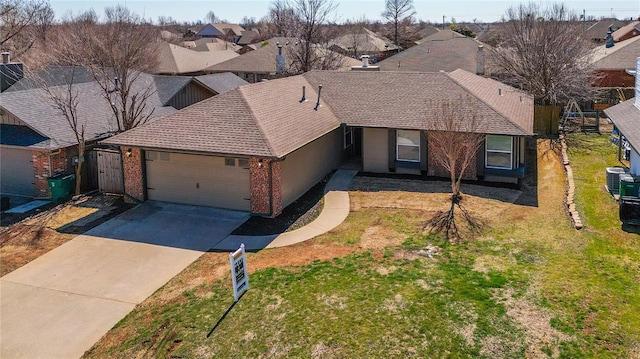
[(427, 10)]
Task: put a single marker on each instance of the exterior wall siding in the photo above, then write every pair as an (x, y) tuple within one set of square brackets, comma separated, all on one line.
[(305, 167), (266, 186), (375, 152), (614, 78), (132, 168), (189, 95)]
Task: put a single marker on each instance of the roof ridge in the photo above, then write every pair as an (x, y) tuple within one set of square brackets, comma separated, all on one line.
[(448, 74), (254, 118)]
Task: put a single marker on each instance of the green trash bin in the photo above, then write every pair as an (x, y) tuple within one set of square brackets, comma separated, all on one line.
[(61, 187), (629, 186)]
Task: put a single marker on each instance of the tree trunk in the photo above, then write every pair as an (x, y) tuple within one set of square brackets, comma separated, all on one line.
[(79, 167)]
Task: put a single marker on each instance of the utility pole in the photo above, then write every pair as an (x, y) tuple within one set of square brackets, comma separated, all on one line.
[(443, 22), (584, 20)]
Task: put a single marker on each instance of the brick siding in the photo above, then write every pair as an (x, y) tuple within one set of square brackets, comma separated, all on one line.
[(266, 188), (132, 171)]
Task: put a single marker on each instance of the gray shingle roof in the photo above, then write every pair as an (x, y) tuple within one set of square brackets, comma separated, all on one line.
[(626, 117), (221, 82), (167, 86), (267, 119), (404, 100), (263, 119), (35, 109), (619, 57), (459, 52)]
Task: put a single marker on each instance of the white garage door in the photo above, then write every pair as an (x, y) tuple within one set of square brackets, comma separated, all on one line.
[(16, 172), (200, 180)]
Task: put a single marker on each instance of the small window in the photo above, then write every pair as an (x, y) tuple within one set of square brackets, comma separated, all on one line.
[(499, 152), (244, 163), (408, 146), (151, 155), (164, 156), (229, 161), (348, 137)]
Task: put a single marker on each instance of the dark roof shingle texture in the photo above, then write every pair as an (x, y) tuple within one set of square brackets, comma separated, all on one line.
[(268, 119), (626, 117)]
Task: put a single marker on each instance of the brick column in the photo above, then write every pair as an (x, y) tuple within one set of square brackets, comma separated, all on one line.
[(132, 172), (266, 186)]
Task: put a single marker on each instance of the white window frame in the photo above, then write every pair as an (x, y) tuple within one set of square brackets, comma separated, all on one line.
[(418, 145), (347, 131), (487, 150)]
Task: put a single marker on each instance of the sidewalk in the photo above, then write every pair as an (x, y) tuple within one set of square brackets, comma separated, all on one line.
[(334, 212)]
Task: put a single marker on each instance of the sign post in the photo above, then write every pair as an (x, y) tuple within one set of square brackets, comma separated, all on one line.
[(239, 275)]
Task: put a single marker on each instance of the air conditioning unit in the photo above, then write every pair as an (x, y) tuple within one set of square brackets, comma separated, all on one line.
[(613, 178)]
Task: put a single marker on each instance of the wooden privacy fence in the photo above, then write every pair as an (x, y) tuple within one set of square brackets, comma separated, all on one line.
[(110, 171), (546, 120)]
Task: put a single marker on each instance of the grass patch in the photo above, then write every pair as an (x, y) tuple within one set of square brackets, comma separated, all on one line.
[(529, 286)]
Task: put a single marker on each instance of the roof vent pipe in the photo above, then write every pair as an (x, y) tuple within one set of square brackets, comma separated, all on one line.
[(365, 61), (5, 57), (304, 96), (318, 102), (499, 92), (116, 82), (480, 61)]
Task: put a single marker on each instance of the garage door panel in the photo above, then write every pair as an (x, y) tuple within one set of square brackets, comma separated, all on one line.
[(16, 172), (197, 179)]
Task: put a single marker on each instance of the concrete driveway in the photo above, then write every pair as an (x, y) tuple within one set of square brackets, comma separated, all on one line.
[(60, 304)]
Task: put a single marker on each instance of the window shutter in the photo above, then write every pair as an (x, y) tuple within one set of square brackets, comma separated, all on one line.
[(392, 150)]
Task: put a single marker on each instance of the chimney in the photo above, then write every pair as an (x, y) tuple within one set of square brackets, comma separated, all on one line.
[(609, 39), (365, 65), (280, 62), (365, 61), (10, 72), (480, 60)]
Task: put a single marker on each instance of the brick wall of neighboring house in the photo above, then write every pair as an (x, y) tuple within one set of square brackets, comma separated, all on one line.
[(614, 78), (132, 171), (45, 164), (436, 169), (266, 186)]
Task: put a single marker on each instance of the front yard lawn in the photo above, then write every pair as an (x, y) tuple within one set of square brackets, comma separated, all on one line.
[(529, 286)]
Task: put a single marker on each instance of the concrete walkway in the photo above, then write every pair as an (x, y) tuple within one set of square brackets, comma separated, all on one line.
[(334, 212), (62, 303)]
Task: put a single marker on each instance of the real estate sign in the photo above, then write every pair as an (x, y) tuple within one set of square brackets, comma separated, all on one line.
[(239, 275)]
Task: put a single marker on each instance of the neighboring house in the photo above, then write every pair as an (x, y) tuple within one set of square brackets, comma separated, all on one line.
[(177, 60), (248, 37), (446, 50), (597, 31), (261, 146), (365, 42), (260, 64), (36, 141), (626, 117), (209, 44), (611, 63), (626, 32), (221, 30), (10, 72)]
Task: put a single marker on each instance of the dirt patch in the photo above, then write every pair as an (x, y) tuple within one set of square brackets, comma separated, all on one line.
[(22, 242), (536, 323), (378, 237)]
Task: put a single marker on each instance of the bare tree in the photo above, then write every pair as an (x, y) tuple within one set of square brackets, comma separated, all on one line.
[(211, 17), (65, 100), (22, 23), (118, 53), (356, 35), (543, 51), (312, 51), (454, 143), (398, 12), (280, 19)]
